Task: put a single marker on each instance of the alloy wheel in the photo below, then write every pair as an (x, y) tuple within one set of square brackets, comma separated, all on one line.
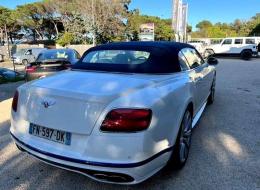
[(185, 137)]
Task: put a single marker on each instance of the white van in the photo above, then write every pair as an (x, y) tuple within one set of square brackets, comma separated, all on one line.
[(245, 47), (27, 55)]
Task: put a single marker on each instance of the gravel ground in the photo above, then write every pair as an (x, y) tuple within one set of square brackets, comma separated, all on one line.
[(225, 151), (9, 65)]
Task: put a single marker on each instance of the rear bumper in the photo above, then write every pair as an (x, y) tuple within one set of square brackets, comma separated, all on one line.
[(119, 173)]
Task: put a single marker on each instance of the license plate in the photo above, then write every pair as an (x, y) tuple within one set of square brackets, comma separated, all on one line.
[(50, 134)]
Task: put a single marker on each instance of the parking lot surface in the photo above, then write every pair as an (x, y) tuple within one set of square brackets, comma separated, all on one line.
[(9, 65), (225, 152)]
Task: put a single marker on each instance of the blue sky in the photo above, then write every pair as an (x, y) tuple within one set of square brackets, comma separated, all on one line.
[(213, 10)]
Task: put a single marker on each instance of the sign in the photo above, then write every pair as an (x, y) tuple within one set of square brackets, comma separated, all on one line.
[(146, 32), (180, 18), (184, 19), (177, 16)]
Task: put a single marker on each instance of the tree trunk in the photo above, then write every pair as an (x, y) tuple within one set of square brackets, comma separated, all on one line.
[(34, 35), (93, 24), (11, 37), (56, 29), (39, 34), (2, 39), (6, 36)]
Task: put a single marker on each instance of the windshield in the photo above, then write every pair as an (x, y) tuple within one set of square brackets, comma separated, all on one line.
[(116, 57), (55, 55)]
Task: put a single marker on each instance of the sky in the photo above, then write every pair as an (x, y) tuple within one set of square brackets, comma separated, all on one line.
[(213, 10)]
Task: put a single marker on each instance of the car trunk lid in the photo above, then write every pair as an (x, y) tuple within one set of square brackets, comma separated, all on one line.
[(76, 99)]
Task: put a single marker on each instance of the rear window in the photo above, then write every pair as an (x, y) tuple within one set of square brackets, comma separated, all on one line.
[(238, 41), (131, 57), (128, 57), (55, 55), (250, 41)]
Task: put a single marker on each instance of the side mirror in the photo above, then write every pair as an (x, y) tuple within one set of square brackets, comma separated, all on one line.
[(212, 61)]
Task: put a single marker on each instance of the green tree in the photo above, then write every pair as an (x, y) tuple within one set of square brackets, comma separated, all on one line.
[(66, 39), (204, 25), (254, 25), (6, 22), (7, 25), (163, 29), (255, 31), (189, 29), (29, 16)]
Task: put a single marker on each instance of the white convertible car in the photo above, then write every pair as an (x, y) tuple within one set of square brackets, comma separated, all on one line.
[(122, 113)]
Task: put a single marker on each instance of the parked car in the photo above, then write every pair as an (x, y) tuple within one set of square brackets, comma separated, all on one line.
[(122, 113), (7, 75), (199, 45), (257, 39), (50, 62), (27, 55), (245, 47)]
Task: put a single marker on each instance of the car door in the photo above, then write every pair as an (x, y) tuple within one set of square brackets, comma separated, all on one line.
[(28, 55), (32, 55), (226, 46), (237, 46), (206, 75), (200, 75)]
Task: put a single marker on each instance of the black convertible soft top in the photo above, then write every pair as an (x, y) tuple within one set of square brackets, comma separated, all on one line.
[(163, 57)]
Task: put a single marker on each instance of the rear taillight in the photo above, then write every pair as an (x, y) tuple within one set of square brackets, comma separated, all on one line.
[(127, 120), (30, 69), (15, 101)]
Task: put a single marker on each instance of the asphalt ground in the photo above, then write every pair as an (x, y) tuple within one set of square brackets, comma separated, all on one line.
[(225, 152)]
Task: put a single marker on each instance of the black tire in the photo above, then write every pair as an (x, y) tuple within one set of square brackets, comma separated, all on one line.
[(246, 55), (182, 145), (25, 62), (211, 97)]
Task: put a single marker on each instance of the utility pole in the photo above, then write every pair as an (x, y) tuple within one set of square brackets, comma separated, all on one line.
[(93, 23)]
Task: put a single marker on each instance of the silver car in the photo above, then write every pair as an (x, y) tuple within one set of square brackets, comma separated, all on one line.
[(27, 55), (121, 114)]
